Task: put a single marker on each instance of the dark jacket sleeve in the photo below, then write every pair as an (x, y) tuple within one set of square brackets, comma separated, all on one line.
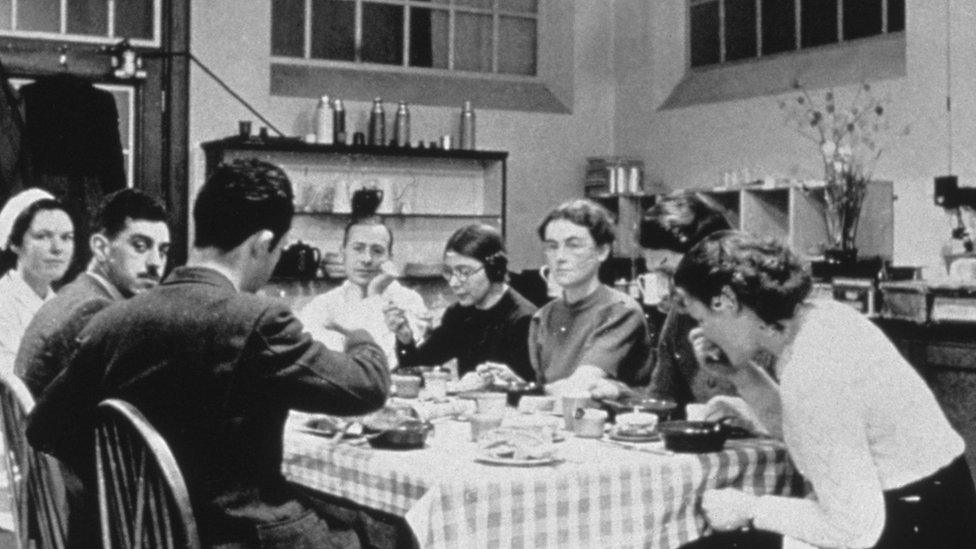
[(305, 375), (666, 379), (517, 348), (440, 346)]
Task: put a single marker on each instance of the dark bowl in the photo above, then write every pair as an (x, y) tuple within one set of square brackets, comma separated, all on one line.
[(696, 437), (416, 371), (408, 434), (388, 417), (515, 391), (662, 408)]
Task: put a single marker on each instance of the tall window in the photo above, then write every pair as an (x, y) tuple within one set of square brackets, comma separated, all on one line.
[(82, 20), (482, 36), (722, 31)]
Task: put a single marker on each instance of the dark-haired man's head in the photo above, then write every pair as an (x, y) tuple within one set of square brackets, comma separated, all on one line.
[(130, 241), (366, 244), (245, 209)]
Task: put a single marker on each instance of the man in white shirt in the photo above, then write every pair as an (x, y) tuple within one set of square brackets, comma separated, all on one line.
[(370, 287)]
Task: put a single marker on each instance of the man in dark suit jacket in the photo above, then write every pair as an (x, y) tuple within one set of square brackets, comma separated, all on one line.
[(129, 250), (216, 369)]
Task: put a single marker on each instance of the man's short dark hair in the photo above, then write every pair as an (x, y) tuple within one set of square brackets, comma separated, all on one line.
[(586, 213), (239, 199), (679, 221), (126, 204), (368, 220)]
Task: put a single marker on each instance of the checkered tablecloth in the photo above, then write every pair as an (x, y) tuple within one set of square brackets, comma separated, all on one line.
[(597, 495)]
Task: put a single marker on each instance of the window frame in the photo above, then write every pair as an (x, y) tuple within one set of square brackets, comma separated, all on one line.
[(109, 38), (451, 8), (797, 33)]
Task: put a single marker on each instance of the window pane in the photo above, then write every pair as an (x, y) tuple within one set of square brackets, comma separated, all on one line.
[(528, 6), (428, 38), (862, 18), (382, 34), (134, 18), (88, 17), (896, 15), (704, 34), (332, 30), (39, 15), (6, 7), (516, 45), (778, 26), (486, 4), (472, 42), (740, 29), (818, 22), (288, 28)]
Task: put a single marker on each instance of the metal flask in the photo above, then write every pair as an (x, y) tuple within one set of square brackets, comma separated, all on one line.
[(377, 124), (401, 126)]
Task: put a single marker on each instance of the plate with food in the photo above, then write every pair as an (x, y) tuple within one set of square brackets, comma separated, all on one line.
[(633, 435), (515, 447), (330, 427)]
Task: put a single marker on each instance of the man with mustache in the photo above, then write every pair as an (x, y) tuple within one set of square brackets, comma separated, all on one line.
[(129, 247)]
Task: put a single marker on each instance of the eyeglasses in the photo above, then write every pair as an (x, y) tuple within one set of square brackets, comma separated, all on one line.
[(462, 274)]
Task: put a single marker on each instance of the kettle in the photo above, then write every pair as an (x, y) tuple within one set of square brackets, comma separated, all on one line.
[(299, 260)]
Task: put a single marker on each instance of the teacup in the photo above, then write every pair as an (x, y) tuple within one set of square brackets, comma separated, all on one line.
[(482, 423), (553, 289), (491, 403), (655, 287), (406, 386), (572, 403), (590, 423), (436, 384)]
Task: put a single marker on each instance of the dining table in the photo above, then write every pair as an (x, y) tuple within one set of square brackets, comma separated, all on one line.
[(592, 493)]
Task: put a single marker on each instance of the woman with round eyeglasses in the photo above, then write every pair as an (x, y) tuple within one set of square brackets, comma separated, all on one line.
[(490, 321), (36, 246)]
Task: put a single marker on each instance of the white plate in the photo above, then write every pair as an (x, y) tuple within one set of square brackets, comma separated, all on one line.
[(492, 460)]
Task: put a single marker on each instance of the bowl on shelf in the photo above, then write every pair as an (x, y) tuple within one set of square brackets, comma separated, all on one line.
[(696, 437)]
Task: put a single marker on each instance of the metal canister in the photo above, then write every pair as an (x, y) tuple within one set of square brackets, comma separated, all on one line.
[(377, 124), (339, 122), (401, 126), (466, 137)]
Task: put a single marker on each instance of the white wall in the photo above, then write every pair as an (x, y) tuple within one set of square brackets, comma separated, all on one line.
[(692, 146), (547, 151)]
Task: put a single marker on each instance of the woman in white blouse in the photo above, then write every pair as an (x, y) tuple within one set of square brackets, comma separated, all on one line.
[(860, 424), (36, 245)]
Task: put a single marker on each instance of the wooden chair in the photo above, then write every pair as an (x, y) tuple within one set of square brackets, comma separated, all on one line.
[(35, 478), (142, 498)]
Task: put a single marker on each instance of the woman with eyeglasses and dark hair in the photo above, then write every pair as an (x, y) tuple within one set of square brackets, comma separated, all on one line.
[(860, 424), (36, 245), (489, 322)]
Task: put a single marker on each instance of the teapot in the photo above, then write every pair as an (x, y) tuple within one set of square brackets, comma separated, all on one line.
[(299, 260)]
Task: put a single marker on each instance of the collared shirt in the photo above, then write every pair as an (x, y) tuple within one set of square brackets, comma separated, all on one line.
[(18, 305), (346, 305)]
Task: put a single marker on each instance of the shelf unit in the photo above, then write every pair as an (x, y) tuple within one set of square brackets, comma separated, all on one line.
[(789, 213), (428, 193)]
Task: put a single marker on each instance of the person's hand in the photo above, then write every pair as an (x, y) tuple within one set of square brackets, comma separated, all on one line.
[(728, 509), (606, 389), (710, 356), (500, 373), (396, 321), (388, 273), (472, 381), (733, 411)]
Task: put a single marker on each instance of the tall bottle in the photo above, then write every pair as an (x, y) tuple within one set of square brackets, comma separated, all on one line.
[(467, 126), (401, 125), (323, 121), (339, 122), (377, 124)]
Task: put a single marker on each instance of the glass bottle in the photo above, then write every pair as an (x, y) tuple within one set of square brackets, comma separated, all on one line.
[(339, 122), (323, 121), (467, 127)]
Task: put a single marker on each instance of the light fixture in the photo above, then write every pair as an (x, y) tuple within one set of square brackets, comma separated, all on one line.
[(127, 65)]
